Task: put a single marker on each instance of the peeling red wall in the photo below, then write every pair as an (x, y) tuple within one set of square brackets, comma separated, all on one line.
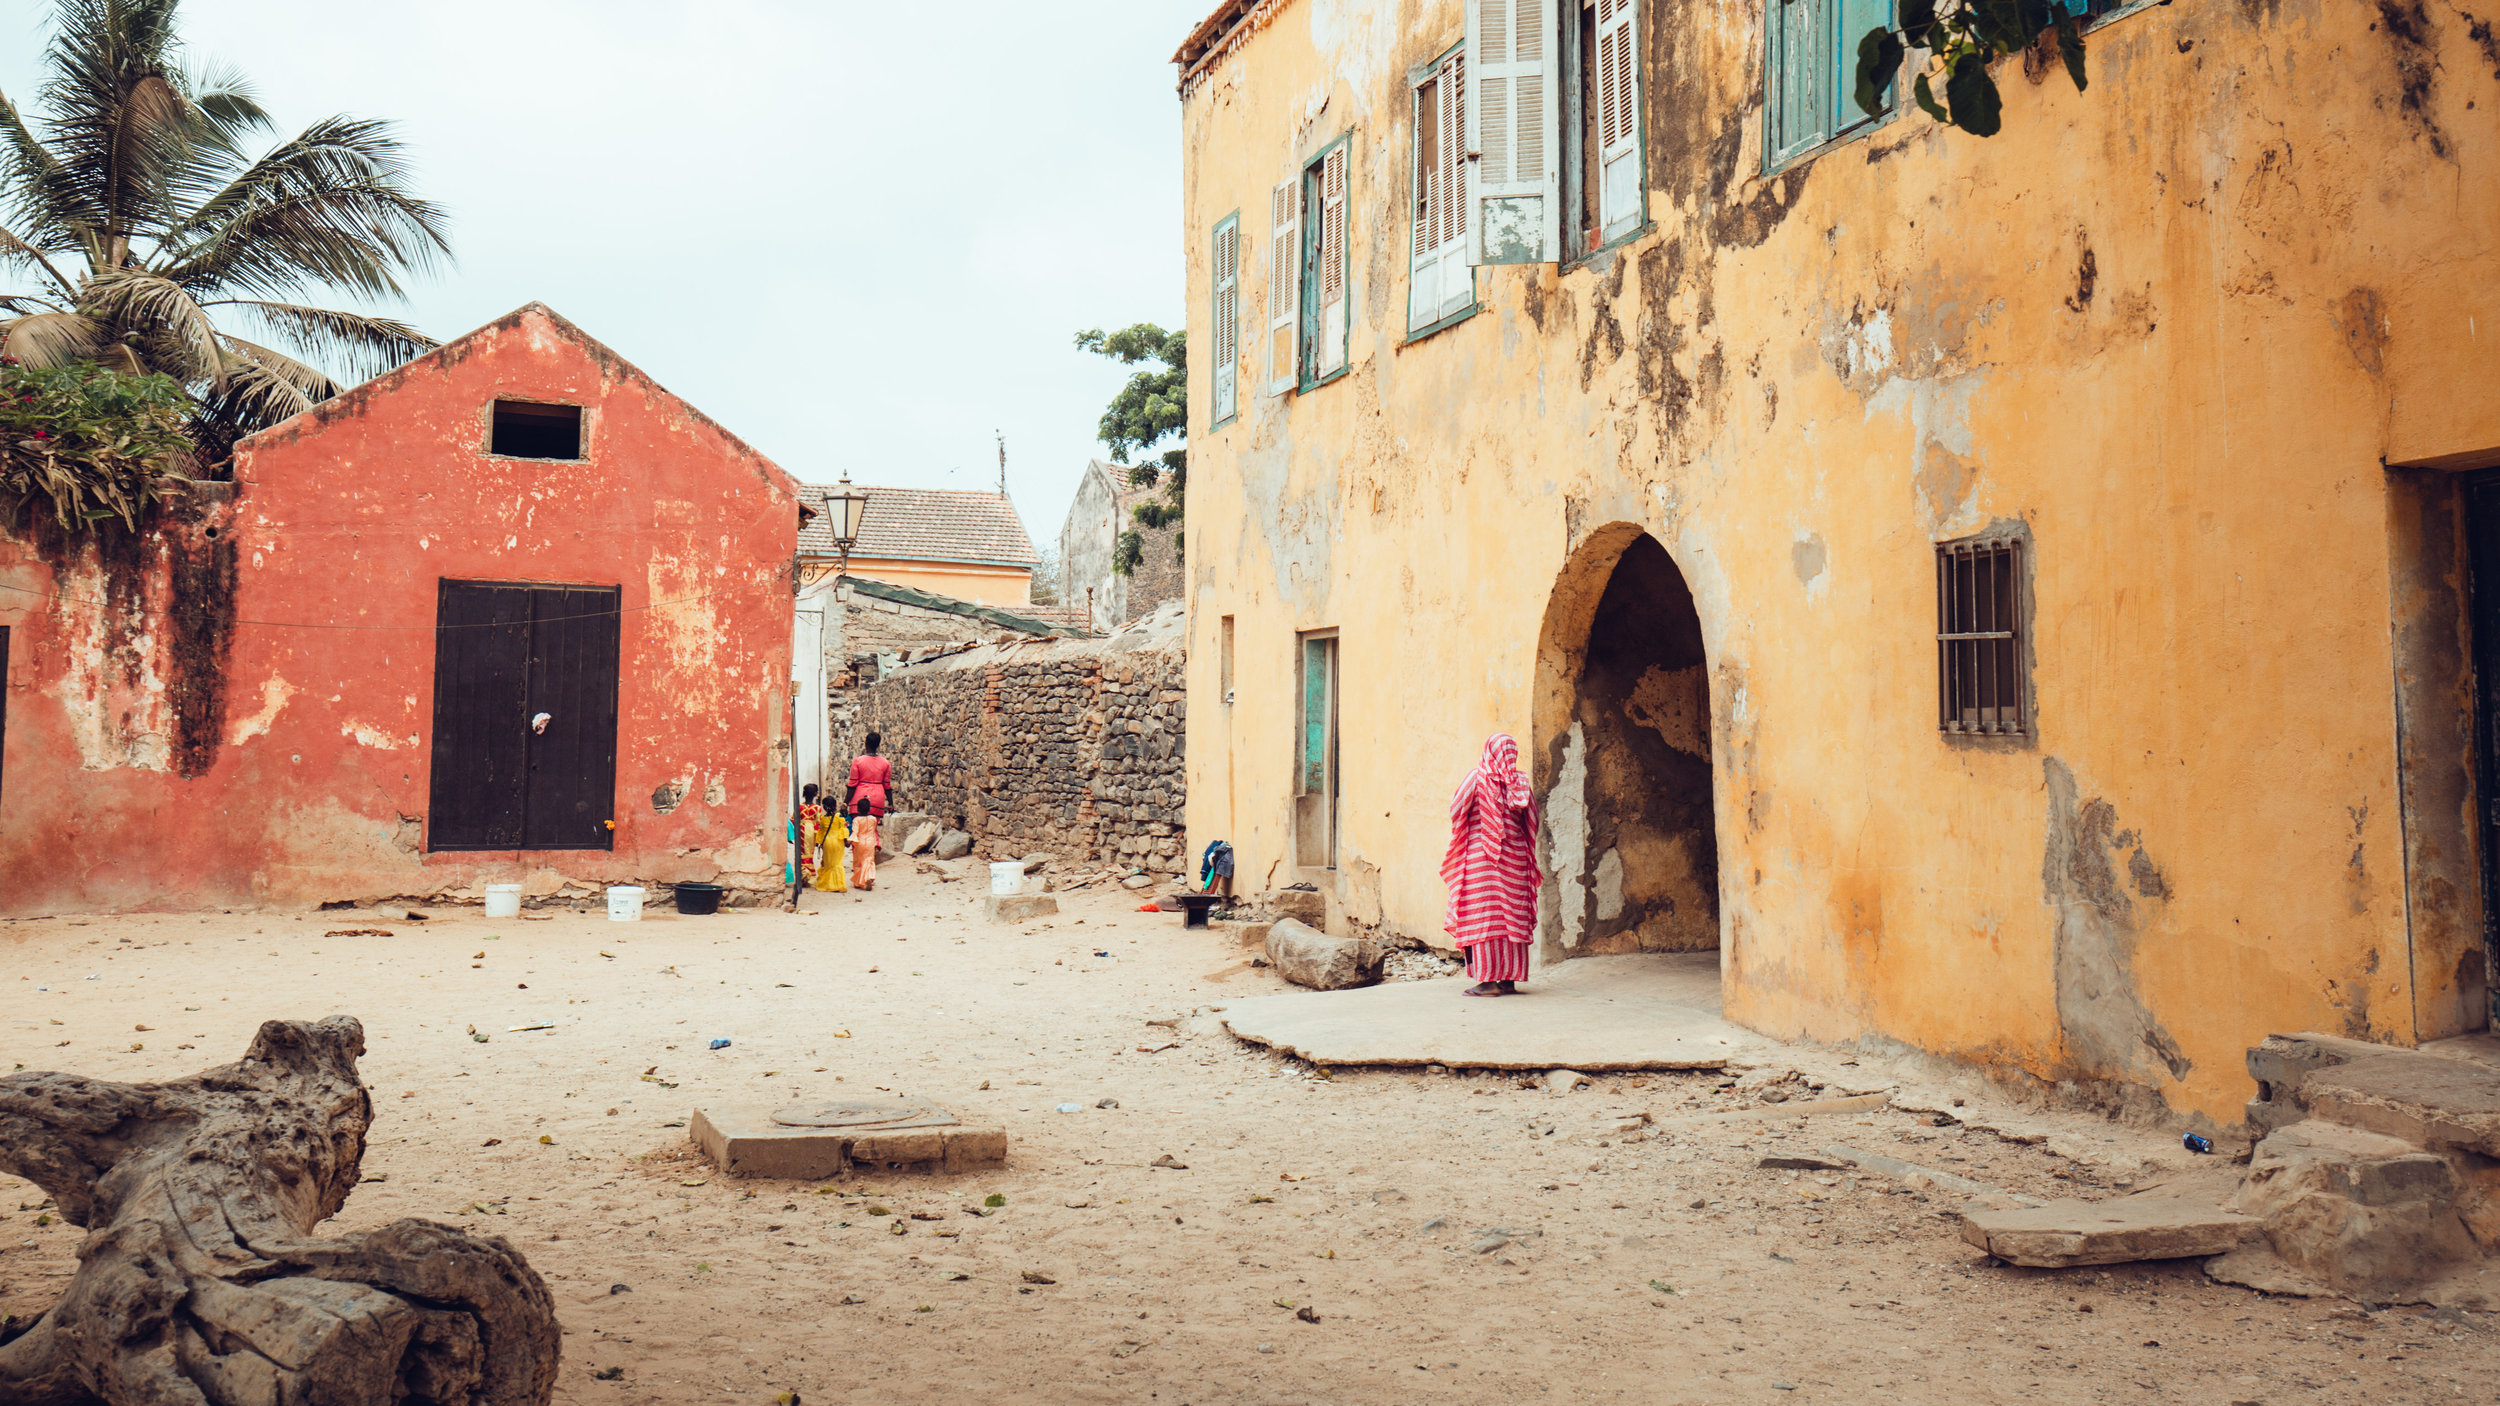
[(343, 521)]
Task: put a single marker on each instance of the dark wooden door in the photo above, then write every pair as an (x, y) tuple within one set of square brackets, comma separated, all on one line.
[(571, 794), (504, 653)]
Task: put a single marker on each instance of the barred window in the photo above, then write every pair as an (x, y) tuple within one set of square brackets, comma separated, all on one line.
[(1979, 623)]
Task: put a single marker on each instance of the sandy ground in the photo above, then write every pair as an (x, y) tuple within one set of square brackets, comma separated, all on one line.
[(1673, 1269)]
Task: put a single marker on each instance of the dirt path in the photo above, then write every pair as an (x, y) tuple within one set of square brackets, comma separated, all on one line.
[(1671, 1269)]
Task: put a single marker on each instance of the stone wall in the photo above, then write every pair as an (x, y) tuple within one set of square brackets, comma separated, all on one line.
[(1067, 747)]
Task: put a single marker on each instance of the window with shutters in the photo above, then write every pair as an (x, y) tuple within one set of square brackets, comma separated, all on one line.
[(1326, 269), (1283, 353), (1441, 284), (1514, 132), (1980, 673), (1604, 193), (1224, 317), (1810, 73)]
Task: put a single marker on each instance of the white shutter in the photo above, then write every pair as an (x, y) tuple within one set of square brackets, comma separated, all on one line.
[(1329, 348), (1619, 204), (1226, 339), (1513, 139), (1440, 281), (1284, 286)]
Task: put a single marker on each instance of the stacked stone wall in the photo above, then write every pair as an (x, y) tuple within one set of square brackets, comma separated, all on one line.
[(1065, 750)]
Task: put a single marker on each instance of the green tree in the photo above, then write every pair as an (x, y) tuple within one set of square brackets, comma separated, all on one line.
[(1151, 408), (1961, 39), (144, 224)]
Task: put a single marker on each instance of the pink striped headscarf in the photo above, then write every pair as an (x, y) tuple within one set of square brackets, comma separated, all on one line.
[(1491, 864)]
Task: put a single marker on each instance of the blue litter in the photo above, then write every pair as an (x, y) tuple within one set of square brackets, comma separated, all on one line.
[(2197, 1142), (720, 1044)]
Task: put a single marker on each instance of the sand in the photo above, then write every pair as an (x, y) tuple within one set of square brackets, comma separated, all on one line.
[(1671, 1269)]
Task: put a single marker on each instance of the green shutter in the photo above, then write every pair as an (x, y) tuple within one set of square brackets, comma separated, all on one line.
[(1314, 716), (1796, 79), (1856, 18)]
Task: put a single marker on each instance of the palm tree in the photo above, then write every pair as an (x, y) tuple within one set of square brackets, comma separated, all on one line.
[(144, 222)]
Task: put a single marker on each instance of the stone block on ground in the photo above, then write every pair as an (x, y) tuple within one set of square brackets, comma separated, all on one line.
[(1033, 862), (1302, 905), (911, 1136), (1020, 907), (1250, 935), (1305, 956), (2353, 1212), (1138, 881), (2129, 1228), (920, 837), (954, 844)]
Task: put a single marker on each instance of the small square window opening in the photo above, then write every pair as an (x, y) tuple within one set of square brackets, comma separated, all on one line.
[(1979, 615), (524, 430)]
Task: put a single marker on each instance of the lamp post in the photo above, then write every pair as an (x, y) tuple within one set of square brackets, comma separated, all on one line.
[(849, 507)]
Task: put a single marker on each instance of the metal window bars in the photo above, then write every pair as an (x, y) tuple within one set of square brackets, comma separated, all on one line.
[(1979, 614)]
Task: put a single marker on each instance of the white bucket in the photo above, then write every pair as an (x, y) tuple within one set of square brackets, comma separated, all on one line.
[(503, 900), (1007, 876), (624, 903)]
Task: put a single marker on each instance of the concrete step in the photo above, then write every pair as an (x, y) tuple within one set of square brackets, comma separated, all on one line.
[(2145, 1227), (2435, 1101)]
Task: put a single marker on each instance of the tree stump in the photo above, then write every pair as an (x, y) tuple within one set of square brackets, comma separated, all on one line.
[(200, 1282)]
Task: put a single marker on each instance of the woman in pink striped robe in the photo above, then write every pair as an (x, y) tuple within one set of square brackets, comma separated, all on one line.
[(1491, 870)]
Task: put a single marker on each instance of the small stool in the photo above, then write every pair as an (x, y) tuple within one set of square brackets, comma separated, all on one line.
[(1196, 906)]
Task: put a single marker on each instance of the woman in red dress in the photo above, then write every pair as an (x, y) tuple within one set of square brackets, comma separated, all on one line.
[(865, 797), (1491, 870)]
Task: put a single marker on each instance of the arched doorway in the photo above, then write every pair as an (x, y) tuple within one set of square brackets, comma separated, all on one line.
[(1623, 755)]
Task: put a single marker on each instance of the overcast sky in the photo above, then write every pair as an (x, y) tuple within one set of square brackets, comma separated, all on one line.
[(860, 235)]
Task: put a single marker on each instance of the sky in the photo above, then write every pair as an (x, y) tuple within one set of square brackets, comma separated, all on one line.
[(858, 239)]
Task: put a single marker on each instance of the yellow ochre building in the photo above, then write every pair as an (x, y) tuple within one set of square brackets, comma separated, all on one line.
[(2018, 598)]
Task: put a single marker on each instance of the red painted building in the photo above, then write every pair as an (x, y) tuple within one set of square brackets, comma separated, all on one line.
[(511, 612)]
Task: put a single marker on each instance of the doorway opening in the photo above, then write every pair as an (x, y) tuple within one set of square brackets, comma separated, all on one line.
[(1315, 755), (1623, 756), (524, 717)]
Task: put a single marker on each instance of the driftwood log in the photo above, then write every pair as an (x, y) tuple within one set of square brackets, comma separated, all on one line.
[(200, 1282)]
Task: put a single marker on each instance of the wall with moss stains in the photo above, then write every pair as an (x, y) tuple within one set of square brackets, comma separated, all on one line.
[(238, 708), (2174, 329)]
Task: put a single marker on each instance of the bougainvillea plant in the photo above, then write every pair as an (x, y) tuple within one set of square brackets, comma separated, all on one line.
[(90, 443)]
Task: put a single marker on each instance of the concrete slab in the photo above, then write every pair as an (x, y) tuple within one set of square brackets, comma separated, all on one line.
[(2066, 1233), (1020, 907), (1596, 1015), (814, 1142)]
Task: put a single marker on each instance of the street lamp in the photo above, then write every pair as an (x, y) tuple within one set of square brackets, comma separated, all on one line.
[(848, 507)]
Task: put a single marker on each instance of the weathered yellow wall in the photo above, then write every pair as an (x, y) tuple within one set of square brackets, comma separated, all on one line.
[(1797, 383), (999, 586)]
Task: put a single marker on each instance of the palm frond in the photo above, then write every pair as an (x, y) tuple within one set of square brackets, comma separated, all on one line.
[(53, 338), (225, 97), (329, 207), (262, 386), (171, 324), (42, 197), (119, 122), (28, 303), (15, 251), (362, 346)]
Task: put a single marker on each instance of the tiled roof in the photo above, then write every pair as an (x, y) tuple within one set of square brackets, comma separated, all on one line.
[(924, 524)]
